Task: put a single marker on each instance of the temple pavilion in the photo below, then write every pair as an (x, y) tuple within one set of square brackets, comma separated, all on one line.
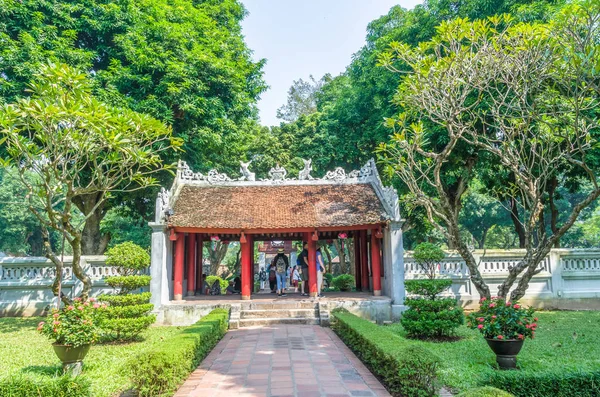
[(201, 208)]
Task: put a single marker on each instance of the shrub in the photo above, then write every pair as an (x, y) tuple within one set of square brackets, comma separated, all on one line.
[(128, 283), (405, 369), (345, 282), (431, 316), (546, 383), (35, 386), (128, 257), (329, 278), (128, 314), (485, 391), (160, 370), (498, 319), (126, 300), (428, 257), (223, 283)]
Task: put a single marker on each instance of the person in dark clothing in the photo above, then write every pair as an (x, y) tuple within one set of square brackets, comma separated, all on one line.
[(304, 269), (272, 277), (237, 284), (281, 266)]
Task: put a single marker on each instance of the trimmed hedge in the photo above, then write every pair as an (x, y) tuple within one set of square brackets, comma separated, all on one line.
[(344, 282), (546, 384), (485, 391), (126, 300), (405, 369), (160, 370), (34, 386)]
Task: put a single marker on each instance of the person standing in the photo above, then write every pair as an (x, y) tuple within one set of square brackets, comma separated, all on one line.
[(320, 270), (272, 276), (295, 278), (281, 267), (262, 277), (304, 269)]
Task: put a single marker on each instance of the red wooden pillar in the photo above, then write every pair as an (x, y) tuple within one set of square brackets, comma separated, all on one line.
[(199, 262), (364, 261), (312, 264), (191, 264), (178, 267), (357, 270), (252, 273), (246, 264), (376, 263)]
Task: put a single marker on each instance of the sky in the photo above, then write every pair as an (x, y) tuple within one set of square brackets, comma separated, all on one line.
[(303, 37)]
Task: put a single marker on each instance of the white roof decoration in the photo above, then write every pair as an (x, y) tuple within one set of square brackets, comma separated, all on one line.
[(368, 174)]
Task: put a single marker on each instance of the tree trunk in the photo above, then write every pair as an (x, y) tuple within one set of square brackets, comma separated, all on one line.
[(339, 246), (350, 247), (328, 255), (553, 210), (217, 250), (93, 242), (514, 216), (481, 242)]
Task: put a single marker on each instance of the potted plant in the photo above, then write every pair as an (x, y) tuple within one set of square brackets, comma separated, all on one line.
[(73, 329), (505, 326)]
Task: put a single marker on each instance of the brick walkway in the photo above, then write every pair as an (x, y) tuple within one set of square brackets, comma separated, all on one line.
[(281, 360)]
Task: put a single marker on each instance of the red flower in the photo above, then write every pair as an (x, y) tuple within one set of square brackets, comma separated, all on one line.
[(92, 299), (70, 308), (480, 326), (96, 306), (508, 304), (500, 337), (494, 316), (480, 319), (517, 306), (535, 319), (520, 336), (80, 308), (532, 335), (492, 305)]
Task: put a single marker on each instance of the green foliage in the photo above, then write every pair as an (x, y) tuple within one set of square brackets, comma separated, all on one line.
[(223, 283), (404, 369), (484, 391), (564, 383), (430, 317), (159, 371), (125, 300), (128, 283), (428, 288), (499, 319), (74, 325), (427, 318), (344, 282), (21, 385), (128, 328), (128, 257), (428, 257), (131, 311)]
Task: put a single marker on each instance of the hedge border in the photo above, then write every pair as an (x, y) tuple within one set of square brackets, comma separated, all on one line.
[(404, 369), (159, 371), (526, 383), (24, 385)]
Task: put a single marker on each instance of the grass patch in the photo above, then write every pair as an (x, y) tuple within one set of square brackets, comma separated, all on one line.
[(24, 351), (564, 341)]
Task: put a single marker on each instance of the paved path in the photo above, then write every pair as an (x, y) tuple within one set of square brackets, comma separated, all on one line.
[(281, 360)]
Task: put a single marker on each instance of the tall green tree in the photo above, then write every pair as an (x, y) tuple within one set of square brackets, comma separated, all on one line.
[(183, 62), (67, 144)]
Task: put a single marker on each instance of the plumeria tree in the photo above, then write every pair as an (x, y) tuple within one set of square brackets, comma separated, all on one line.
[(69, 146), (497, 93)]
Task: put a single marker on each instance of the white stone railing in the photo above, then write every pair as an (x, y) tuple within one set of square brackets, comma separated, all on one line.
[(25, 282), (570, 278)]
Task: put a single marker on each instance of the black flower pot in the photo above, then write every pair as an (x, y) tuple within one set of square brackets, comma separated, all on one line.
[(506, 351)]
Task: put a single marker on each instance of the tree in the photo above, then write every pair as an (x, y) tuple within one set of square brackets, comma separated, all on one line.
[(183, 62), (524, 94), (75, 145), (302, 99)]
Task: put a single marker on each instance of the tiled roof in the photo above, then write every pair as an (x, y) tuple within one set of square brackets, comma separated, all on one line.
[(277, 207)]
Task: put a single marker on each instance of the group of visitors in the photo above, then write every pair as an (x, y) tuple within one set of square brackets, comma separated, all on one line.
[(279, 272)]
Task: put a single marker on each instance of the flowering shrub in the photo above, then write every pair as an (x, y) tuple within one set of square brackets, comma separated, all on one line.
[(501, 320), (342, 236), (74, 325)]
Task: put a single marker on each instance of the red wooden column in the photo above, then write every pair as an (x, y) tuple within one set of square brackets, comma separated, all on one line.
[(246, 264), (312, 265), (178, 266), (364, 261), (191, 264), (252, 267), (357, 269), (376, 263), (199, 261)]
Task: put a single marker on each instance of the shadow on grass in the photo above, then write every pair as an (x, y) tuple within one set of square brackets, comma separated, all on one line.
[(47, 370), (17, 324)]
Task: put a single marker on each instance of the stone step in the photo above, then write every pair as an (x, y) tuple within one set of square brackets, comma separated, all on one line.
[(283, 313), (250, 322), (282, 305)]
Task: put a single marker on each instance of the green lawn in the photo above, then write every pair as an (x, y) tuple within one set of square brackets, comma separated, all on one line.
[(22, 349), (563, 340)]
